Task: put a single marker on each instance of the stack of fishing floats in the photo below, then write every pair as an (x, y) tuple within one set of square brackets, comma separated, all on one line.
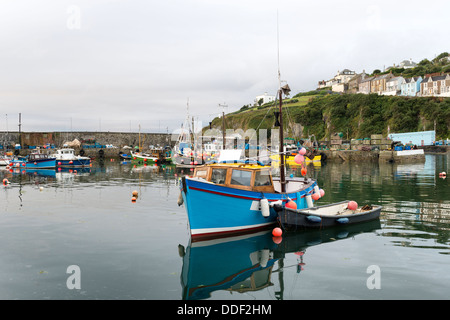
[(135, 195)]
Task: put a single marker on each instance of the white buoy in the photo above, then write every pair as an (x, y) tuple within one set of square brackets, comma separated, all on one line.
[(309, 201), (316, 189), (265, 210)]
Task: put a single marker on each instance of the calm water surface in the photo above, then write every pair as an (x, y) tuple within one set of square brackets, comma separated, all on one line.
[(124, 250)]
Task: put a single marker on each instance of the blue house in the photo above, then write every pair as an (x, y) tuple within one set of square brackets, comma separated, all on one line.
[(411, 86)]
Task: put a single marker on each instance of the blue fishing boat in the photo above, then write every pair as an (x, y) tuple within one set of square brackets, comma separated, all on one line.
[(223, 199), (34, 161)]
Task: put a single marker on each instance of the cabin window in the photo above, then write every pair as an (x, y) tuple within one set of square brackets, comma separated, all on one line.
[(201, 174), (218, 175), (241, 177), (262, 178)]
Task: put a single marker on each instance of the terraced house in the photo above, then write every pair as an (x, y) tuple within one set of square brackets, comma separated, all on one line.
[(378, 84), (411, 87), (435, 85)]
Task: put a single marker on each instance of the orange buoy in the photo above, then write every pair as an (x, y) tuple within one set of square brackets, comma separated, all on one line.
[(135, 193), (291, 204), (133, 199), (315, 196), (303, 171), (277, 232)]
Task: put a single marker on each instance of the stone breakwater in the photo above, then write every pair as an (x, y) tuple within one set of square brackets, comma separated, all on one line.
[(375, 155)]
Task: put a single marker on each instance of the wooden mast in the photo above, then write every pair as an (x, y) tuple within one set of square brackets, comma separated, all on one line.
[(281, 150)]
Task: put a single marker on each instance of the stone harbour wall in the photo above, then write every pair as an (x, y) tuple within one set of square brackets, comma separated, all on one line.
[(118, 139)]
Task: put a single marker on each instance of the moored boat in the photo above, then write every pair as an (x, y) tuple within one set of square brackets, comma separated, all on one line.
[(227, 198), (5, 159), (141, 157), (329, 215), (66, 157), (34, 161)]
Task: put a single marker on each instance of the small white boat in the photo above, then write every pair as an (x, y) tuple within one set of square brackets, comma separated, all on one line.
[(4, 160)]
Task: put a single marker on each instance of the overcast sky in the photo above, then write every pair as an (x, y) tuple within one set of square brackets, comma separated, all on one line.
[(111, 65)]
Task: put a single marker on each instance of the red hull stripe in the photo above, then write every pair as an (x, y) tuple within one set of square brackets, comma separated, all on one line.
[(225, 234)]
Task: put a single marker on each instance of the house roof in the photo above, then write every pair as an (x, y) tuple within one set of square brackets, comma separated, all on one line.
[(367, 79), (408, 63)]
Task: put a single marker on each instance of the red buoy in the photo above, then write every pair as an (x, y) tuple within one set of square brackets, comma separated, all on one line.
[(277, 232)]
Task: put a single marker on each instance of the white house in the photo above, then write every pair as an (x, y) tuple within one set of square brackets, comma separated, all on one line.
[(407, 64), (393, 86), (265, 98)]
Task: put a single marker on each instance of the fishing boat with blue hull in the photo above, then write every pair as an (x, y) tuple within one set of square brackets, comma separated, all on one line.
[(66, 158), (34, 161), (226, 198), (223, 199), (335, 214)]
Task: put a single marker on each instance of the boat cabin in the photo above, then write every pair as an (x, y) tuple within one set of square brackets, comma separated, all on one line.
[(248, 177), (38, 156), (240, 176)]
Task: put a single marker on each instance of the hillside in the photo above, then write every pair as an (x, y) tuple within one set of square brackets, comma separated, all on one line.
[(440, 64), (355, 115)]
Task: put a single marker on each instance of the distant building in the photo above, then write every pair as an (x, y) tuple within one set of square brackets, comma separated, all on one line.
[(265, 98), (393, 86), (445, 86), (353, 83), (339, 82), (407, 64), (364, 85), (421, 138), (411, 87), (378, 84), (431, 85)]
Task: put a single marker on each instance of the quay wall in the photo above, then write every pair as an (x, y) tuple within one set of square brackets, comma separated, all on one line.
[(118, 139)]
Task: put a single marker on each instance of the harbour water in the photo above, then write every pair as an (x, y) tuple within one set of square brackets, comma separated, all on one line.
[(52, 221)]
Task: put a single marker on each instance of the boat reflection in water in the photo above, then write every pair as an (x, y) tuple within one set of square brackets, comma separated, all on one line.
[(248, 262)]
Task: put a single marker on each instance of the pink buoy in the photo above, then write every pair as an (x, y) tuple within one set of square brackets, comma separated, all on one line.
[(315, 196), (299, 159), (322, 192), (302, 151), (352, 205)]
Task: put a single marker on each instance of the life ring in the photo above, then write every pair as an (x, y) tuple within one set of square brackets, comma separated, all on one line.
[(82, 152)]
